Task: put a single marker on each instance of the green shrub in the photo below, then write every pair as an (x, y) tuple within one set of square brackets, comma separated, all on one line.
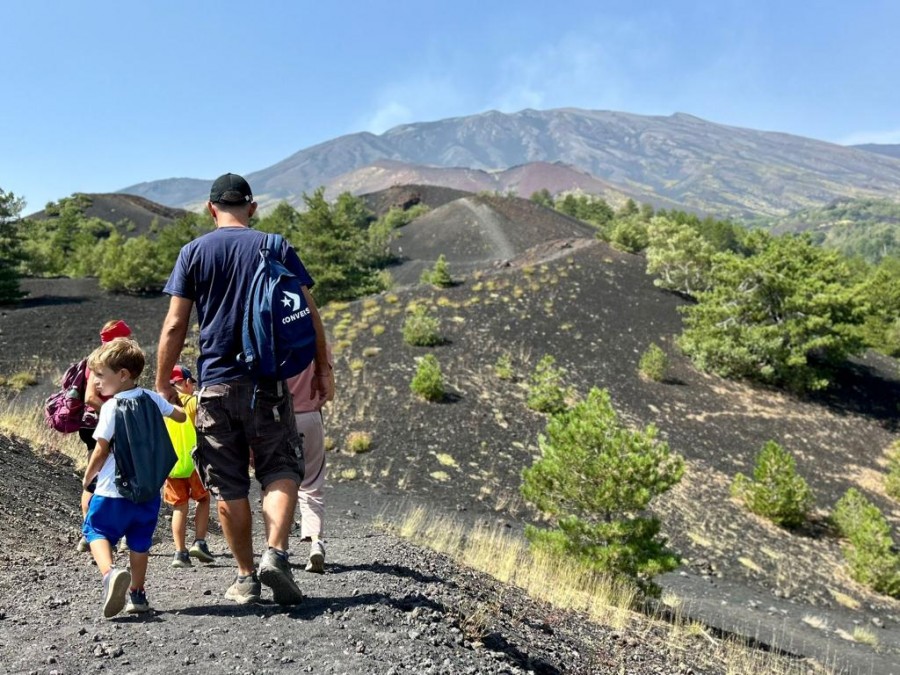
[(545, 392), (869, 550), (776, 491), (654, 363), (439, 275), (594, 478), (132, 265), (503, 368), (629, 235), (421, 329), (428, 382), (892, 480), (359, 441)]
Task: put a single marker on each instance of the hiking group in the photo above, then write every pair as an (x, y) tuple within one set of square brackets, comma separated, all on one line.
[(263, 376)]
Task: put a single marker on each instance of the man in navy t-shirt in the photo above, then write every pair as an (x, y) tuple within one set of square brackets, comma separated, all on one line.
[(235, 414)]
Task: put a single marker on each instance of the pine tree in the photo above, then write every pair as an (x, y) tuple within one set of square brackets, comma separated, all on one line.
[(595, 477), (10, 246), (331, 245)]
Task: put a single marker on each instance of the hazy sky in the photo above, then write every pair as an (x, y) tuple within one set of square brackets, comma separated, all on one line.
[(99, 95)]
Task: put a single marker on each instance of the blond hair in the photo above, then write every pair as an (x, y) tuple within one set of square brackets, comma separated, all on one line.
[(118, 354)]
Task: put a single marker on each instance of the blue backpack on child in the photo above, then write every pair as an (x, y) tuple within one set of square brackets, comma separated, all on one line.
[(142, 449), (278, 335)]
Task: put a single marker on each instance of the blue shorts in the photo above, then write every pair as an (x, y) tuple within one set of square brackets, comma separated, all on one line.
[(112, 518)]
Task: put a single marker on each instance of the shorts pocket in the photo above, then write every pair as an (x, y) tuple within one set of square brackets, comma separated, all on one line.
[(212, 417)]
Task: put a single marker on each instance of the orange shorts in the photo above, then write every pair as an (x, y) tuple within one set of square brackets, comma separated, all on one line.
[(180, 490)]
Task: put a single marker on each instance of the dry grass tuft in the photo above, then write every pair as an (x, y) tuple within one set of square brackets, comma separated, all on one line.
[(865, 636), (28, 424)]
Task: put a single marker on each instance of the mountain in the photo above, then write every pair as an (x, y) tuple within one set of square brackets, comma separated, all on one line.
[(114, 208), (881, 149), (704, 166)]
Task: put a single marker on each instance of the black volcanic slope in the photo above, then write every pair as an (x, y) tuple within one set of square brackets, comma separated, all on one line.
[(478, 230), (115, 208), (406, 196)]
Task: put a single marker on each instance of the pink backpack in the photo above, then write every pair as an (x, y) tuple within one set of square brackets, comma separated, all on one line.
[(65, 410)]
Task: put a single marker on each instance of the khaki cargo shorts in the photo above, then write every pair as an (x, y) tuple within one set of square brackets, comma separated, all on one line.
[(231, 425)]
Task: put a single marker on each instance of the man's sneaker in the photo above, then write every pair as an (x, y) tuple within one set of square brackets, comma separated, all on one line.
[(181, 559), (83, 546), (316, 557), (115, 588), (275, 573), (123, 545), (200, 551), (137, 602), (244, 589)]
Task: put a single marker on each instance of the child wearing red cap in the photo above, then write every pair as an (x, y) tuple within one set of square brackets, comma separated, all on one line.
[(183, 483)]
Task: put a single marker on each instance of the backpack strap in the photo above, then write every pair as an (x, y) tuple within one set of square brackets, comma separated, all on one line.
[(273, 245)]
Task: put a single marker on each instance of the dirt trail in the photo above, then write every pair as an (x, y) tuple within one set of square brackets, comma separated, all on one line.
[(383, 606)]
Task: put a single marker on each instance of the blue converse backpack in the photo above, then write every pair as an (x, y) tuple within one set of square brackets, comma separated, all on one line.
[(278, 336)]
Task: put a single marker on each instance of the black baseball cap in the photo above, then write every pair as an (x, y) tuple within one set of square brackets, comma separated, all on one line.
[(230, 189)]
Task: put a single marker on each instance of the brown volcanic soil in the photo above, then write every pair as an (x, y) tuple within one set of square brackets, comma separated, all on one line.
[(596, 311)]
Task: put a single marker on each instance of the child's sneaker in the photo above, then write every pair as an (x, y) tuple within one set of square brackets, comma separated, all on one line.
[(115, 587), (181, 559), (83, 546), (137, 602), (200, 551), (275, 572), (244, 589), (123, 545), (316, 557)]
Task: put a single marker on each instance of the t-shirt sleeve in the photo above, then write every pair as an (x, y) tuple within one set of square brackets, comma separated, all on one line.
[(165, 407), (106, 421), (181, 281), (293, 263)]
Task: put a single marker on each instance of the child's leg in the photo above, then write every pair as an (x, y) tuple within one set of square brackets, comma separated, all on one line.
[(179, 525), (104, 523), (177, 494), (140, 538), (138, 568), (87, 437), (201, 518), (102, 552)]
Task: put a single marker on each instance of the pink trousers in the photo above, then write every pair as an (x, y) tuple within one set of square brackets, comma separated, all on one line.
[(310, 497)]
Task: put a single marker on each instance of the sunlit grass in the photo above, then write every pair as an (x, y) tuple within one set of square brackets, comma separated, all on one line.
[(566, 585), (27, 422)]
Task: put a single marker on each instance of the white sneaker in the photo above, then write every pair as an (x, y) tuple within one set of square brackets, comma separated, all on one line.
[(316, 557)]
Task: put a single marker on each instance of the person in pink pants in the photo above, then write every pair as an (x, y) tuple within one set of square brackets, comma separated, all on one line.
[(310, 497)]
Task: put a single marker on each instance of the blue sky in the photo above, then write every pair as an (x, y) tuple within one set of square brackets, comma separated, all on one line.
[(100, 95)]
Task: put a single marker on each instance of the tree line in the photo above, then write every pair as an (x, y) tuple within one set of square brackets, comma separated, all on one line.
[(777, 309), (343, 245)]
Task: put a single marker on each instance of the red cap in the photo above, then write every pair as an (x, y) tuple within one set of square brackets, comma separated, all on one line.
[(180, 373), (117, 330)]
